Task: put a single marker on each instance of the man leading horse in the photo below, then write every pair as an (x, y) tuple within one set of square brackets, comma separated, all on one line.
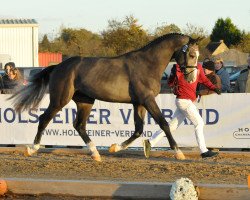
[(185, 92)]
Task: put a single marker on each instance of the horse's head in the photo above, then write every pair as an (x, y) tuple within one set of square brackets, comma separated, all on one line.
[(187, 59)]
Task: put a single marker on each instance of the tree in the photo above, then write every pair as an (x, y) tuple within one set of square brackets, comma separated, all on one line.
[(195, 31), (165, 29), (79, 42), (227, 31), (244, 45), (44, 45), (121, 37)]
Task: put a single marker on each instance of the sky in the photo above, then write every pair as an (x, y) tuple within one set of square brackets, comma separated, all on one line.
[(93, 15)]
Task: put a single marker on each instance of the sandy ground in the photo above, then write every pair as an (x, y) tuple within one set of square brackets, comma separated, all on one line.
[(47, 197), (227, 168)]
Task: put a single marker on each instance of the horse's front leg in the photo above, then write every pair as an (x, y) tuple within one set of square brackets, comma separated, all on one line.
[(139, 114), (153, 109)]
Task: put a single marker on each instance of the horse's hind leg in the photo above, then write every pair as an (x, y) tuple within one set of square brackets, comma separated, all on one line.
[(44, 120), (83, 111), (139, 114)]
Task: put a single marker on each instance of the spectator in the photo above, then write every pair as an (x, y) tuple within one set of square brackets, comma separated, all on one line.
[(12, 81), (223, 74), (7, 67), (209, 70), (242, 84), (3, 78)]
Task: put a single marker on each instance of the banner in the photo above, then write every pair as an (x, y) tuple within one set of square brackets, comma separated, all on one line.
[(226, 118)]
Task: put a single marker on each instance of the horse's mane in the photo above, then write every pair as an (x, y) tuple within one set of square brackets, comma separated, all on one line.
[(161, 38), (158, 40), (154, 42)]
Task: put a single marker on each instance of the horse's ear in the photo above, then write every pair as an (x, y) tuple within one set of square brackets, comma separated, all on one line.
[(195, 41)]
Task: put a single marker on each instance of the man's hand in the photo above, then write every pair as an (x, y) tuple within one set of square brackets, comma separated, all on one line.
[(217, 90)]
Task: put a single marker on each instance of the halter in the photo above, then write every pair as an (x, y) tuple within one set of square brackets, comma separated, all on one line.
[(184, 66), (184, 70)]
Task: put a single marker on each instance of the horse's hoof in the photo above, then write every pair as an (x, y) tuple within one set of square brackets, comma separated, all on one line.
[(180, 156), (197, 191), (113, 148), (27, 152), (97, 158)]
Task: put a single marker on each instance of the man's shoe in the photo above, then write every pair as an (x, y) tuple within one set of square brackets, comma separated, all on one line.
[(209, 154), (146, 147)]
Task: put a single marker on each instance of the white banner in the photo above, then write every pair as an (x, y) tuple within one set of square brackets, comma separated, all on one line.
[(226, 118)]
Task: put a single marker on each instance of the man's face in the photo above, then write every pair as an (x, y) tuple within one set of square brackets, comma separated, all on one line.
[(207, 71)]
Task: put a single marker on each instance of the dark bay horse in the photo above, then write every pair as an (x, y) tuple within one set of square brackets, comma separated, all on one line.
[(130, 78)]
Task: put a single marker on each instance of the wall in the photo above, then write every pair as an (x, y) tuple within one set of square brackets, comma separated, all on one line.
[(21, 43), (226, 122), (47, 59)]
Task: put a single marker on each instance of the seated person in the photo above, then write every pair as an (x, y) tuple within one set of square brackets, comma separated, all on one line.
[(209, 69), (7, 67), (12, 81)]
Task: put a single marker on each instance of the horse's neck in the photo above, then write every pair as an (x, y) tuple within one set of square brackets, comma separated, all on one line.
[(161, 54)]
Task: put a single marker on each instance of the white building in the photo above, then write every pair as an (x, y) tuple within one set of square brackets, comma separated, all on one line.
[(19, 42)]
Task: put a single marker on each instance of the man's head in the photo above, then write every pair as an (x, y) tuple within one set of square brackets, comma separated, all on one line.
[(208, 66)]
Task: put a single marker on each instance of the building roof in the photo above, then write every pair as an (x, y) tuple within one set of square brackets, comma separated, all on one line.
[(212, 46), (235, 56), (17, 21)]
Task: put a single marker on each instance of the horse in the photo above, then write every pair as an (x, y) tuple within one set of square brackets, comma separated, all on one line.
[(133, 77)]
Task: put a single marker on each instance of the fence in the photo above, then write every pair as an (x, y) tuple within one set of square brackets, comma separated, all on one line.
[(226, 118)]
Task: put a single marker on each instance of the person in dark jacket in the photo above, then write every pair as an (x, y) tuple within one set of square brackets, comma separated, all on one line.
[(209, 70), (7, 67), (12, 81)]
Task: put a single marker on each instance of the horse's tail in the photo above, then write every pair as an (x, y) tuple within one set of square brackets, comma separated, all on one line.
[(31, 95)]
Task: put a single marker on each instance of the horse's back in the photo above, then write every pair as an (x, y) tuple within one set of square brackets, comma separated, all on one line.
[(105, 78), (99, 78)]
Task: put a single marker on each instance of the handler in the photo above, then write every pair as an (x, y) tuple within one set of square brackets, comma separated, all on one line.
[(185, 96)]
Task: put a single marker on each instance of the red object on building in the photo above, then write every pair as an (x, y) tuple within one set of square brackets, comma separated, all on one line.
[(47, 59)]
